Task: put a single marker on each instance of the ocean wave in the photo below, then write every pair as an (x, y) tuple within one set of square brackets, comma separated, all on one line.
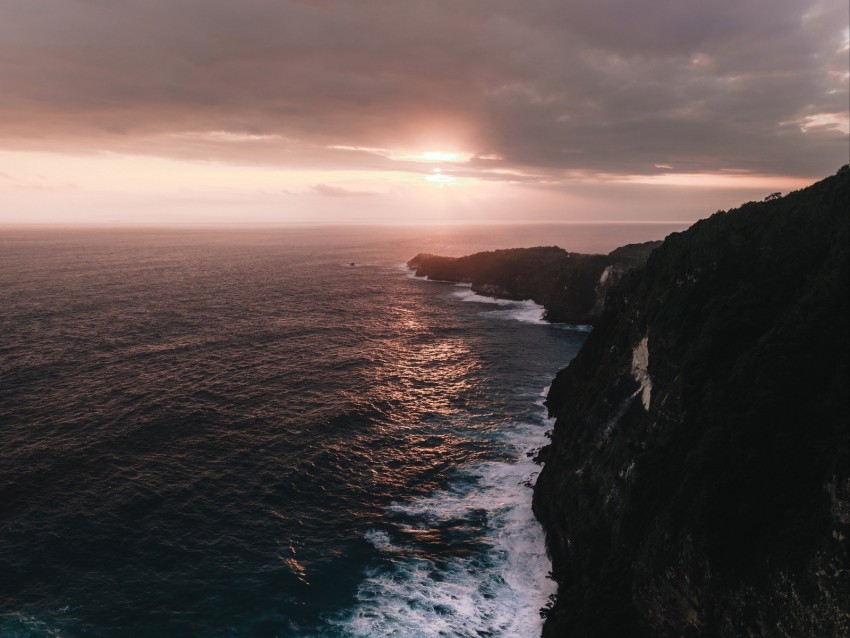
[(495, 589), (526, 311), (575, 327)]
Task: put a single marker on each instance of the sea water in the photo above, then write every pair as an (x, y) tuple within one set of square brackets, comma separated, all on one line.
[(271, 432)]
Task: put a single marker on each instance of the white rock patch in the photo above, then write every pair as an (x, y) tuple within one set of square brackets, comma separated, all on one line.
[(640, 370)]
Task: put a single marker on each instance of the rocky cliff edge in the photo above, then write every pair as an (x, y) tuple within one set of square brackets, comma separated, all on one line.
[(697, 479)]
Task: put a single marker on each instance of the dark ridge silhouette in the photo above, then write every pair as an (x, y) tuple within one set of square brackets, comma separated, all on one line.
[(571, 286), (697, 479)]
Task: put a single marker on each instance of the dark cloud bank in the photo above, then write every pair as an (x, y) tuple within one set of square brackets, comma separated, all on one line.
[(543, 87)]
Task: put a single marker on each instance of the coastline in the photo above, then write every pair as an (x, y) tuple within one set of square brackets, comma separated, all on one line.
[(697, 479), (571, 287), (702, 420)]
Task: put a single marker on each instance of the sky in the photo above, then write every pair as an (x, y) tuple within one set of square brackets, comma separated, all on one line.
[(414, 111)]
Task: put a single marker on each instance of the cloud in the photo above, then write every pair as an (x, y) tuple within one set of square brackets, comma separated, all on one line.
[(547, 86), (335, 191)]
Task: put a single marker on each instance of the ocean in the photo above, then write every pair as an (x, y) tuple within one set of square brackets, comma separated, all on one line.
[(272, 432)]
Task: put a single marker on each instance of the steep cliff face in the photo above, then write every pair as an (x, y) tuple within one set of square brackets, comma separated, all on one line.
[(697, 479), (572, 287)]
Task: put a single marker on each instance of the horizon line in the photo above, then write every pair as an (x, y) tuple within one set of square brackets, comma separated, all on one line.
[(327, 224)]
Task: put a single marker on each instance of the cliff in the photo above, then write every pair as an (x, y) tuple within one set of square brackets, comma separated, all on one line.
[(697, 479), (572, 287)]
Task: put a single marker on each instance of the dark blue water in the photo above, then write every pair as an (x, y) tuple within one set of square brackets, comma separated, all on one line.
[(237, 433)]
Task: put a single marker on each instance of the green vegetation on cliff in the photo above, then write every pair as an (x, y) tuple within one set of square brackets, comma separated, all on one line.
[(697, 480)]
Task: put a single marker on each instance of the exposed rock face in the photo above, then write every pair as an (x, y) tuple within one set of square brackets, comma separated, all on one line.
[(571, 286), (697, 480)]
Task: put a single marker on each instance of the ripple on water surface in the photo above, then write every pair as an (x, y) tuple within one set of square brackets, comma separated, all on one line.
[(210, 435)]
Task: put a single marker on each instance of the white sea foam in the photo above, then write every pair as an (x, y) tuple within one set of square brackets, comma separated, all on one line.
[(577, 327), (526, 311), (467, 295), (379, 539), (497, 591), (410, 272)]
